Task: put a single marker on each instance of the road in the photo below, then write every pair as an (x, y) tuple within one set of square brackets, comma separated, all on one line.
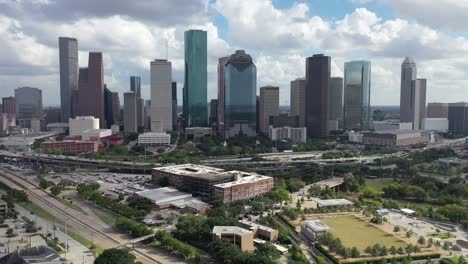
[(77, 252), (85, 225)]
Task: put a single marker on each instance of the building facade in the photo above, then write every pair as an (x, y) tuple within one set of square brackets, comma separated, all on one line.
[(357, 89), (135, 85), (295, 134), (221, 90), (28, 103), (81, 123), (437, 110), (297, 100), (130, 112), (154, 139), (195, 81), (91, 88), (269, 106), (111, 101), (458, 118), (336, 100), (412, 95), (213, 120), (395, 138), (240, 110), (68, 56), (9, 105), (174, 106), (318, 69), (70, 146), (161, 96)]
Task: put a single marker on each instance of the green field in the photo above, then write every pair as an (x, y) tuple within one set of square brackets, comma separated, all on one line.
[(443, 235), (355, 232), (378, 184)]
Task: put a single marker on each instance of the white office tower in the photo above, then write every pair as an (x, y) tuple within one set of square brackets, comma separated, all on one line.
[(161, 95), (81, 123)]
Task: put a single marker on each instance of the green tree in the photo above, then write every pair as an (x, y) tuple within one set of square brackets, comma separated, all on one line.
[(396, 229), (355, 252), (55, 190), (421, 240), (267, 250), (115, 256)]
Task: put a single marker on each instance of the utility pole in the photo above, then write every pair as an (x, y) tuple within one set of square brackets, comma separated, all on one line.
[(66, 240)]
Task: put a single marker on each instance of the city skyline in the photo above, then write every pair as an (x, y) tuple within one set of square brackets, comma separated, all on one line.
[(382, 27)]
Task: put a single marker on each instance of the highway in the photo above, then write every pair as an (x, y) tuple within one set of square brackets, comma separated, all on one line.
[(78, 222)]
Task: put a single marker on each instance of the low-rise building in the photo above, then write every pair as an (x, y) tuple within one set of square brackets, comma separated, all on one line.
[(435, 124), (396, 137), (260, 231), (332, 202), (37, 255), (70, 146), (391, 124), (237, 235), (354, 137), (95, 134), (197, 132), (59, 128), (313, 228), (154, 139), (170, 197), (7, 121), (296, 134)]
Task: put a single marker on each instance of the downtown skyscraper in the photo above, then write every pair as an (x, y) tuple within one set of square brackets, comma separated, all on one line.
[(68, 56), (195, 79), (91, 88), (221, 83), (318, 69), (336, 101), (412, 95), (297, 99), (161, 95), (240, 96), (269, 106), (357, 88)]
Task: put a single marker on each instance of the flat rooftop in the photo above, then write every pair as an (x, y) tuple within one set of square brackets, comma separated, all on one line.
[(333, 202), (330, 183), (316, 225), (189, 169), (245, 178), (164, 195), (220, 230), (256, 226), (394, 132)]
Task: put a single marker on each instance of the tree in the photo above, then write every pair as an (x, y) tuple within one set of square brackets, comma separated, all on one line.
[(267, 250), (421, 240), (355, 252), (140, 203), (55, 190), (115, 256), (409, 233), (393, 250), (396, 229), (280, 195), (44, 184)]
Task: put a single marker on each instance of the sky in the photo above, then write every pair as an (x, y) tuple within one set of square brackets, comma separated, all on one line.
[(279, 34)]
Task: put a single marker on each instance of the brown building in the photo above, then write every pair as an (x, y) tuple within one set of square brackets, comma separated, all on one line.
[(318, 69), (259, 231), (91, 88), (237, 235), (221, 63), (297, 100), (437, 110), (458, 117), (269, 106), (245, 186), (70, 146), (8, 105)]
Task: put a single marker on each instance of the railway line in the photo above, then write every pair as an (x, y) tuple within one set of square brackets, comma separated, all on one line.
[(80, 226)]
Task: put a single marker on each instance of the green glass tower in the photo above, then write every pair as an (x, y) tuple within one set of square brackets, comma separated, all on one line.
[(195, 80)]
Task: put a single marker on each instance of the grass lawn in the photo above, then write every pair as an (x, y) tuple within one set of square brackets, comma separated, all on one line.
[(355, 232), (71, 205), (106, 219), (85, 242), (40, 212), (443, 235), (378, 184)]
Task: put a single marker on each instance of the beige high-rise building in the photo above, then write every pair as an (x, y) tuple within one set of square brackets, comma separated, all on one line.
[(161, 95), (297, 100), (412, 95), (269, 106)]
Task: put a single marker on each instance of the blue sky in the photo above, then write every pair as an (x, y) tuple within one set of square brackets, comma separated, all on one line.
[(279, 34)]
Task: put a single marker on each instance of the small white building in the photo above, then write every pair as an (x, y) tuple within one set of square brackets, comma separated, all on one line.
[(95, 134), (81, 123), (60, 128), (115, 129), (354, 137), (296, 134), (313, 228), (154, 139)]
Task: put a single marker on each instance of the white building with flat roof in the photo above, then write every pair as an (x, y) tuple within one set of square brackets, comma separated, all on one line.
[(81, 123), (154, 139), (313, 228), (296, 134), (95, 134), (435, 124)]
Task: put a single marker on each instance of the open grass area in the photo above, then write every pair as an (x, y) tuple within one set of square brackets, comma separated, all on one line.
[(378, 184), (85, 242), (71, 205), (443, 235), (355, 232)]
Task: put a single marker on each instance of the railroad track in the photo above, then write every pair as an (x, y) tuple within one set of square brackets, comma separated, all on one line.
[(28, 187)]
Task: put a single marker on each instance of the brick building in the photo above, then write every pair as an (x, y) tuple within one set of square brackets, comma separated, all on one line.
[(244, 186), (70, 146)]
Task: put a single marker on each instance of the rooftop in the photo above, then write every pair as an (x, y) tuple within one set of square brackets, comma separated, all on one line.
[(154, 134), (190, 169), (330, 183), (333, 202), (219, 230), (394, 132), (164, 195), (245, 177), (316, 225), (255, 225)]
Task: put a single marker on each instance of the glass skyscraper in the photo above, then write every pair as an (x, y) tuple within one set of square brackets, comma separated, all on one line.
[(240, 95), (195, 81), (357, 87)]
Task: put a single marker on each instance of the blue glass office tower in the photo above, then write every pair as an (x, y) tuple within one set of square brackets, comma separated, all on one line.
[(240, 95), (357, 86), (195, 81)]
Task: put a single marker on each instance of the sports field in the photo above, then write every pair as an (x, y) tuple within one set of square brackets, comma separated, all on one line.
[(378, 184), (355, 232)]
